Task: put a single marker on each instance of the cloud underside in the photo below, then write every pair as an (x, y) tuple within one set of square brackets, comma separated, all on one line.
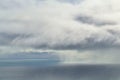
[(62, 25)]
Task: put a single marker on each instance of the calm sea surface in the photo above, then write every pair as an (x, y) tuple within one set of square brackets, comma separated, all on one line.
[(37, 70)]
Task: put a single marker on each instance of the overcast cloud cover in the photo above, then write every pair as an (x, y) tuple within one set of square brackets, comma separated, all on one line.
[(76, 30)]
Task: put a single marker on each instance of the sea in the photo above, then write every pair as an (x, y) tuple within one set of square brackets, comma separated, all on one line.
[(41, 70)]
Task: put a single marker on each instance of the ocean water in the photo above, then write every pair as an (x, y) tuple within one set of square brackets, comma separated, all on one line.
[(40, 71)]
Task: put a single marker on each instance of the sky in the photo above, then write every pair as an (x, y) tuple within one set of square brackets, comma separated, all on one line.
[(76, 31)]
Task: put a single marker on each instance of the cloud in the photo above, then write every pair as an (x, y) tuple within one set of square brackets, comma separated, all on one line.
[(14, 4), (108, 56), (89, 20), (74, 2), (55, 25)]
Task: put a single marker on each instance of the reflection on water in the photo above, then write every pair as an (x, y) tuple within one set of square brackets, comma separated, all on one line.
[(67, 72)]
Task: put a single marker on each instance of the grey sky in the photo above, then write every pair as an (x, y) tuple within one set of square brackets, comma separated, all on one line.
[(76, 25)]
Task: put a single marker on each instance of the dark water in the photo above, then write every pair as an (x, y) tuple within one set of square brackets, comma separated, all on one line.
[(67, 72)]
